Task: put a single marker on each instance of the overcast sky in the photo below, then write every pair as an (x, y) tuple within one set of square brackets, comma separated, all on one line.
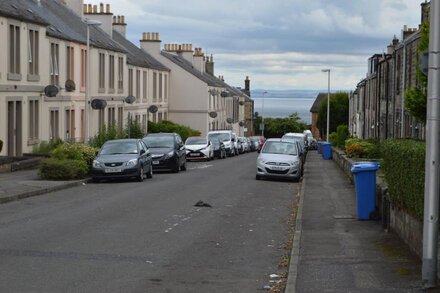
[(280, 44)]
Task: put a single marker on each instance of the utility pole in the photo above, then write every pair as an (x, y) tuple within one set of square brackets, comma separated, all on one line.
[(432, 164)]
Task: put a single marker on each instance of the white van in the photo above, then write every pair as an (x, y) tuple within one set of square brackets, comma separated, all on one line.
[(226, 137)]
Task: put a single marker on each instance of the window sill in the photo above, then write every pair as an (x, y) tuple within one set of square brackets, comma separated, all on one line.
[(14, 76), (111, 91), (33, 141), (33, 77), (101, 90), (120, 91)]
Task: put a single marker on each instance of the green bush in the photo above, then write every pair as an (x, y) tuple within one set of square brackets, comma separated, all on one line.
[(104, 134), (75, 151), (404, 169), (355, 147), (134, 130), (56, 169), (168, 126), (46, 147), (343, 134)]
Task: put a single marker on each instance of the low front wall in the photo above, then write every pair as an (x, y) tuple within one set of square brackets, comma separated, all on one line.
[(409, 229)]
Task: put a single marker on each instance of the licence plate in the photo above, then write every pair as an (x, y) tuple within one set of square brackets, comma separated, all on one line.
[(113, 170), (276, 168), (194, 155), (155, 162)]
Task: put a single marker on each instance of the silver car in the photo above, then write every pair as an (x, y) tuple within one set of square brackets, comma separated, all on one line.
[(279, 159)]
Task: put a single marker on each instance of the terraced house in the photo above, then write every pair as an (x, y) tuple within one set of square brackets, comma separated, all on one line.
[(377, 105)]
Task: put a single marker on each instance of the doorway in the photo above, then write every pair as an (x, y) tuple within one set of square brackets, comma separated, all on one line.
[(15, 129)]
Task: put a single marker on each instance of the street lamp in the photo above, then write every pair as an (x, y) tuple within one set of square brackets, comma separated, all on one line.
[(88, 22), (262, 117), (328, 103)]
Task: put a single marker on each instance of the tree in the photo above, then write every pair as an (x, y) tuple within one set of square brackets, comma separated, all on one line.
[(339, 105), (277, 127), (416, 97)]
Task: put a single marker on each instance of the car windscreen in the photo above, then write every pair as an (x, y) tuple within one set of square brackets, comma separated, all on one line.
[(279, 147), (294, 138), (194, 141), (119, 147), (157, 141), (220, 136)]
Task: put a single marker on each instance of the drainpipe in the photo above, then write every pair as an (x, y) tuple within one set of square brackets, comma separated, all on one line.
[(402, 120)]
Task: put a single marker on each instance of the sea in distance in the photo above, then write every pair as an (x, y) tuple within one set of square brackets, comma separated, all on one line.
[(282, 103)]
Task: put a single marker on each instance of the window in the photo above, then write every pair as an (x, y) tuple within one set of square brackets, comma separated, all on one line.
[(154, 117), (33, 119), (101, 72), (83, 67), (130, 82), (33, 52), (101, 118), (70, 125), (120, 118), (54, 61), (111, 118), (144, 87), (138, 86), (165, 116), (120, 73), (70, 63), (54, 124), (111, 72), (166, 87), (159, 116), (154, 87), (160, 88), (14, 50)]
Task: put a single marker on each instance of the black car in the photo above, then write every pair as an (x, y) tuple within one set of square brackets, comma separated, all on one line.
[(167, 151), (219, 148), (122, 158)]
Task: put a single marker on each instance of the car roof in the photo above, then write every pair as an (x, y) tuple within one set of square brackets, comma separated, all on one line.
[(123, 140), (161, 133)]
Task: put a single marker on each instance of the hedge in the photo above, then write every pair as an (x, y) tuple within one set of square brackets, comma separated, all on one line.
[(168, 126), (404, 169), (355, 147), (55, 169)]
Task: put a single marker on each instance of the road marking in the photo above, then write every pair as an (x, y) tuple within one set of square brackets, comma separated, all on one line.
[(204, 166)]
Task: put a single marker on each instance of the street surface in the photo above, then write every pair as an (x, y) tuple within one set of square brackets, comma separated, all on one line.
[(149, 237)]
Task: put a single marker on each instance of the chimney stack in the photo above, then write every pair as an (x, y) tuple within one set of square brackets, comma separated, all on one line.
[(210, 65), (119, 25), (151, 43), (75, 5), (199, 60), (103, 15)]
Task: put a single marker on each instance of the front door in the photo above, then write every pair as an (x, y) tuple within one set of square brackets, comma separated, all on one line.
[(15, 147)]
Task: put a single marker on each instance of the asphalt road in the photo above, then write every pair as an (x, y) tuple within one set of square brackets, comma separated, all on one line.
[(148, 237)]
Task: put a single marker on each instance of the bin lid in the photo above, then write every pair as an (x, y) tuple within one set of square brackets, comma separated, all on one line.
[(325, 143), (365, 167)]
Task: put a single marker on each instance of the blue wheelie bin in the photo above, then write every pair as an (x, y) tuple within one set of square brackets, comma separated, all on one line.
[(365, 184), (326, 151)]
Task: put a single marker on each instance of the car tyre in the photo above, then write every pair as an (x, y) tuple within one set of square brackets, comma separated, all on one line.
[(95, 180), (141, 174), (183, 167), (150, 173), (257, 177)]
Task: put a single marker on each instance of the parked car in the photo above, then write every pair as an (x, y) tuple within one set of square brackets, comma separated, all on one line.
[(261, 140), (122, 158), (279, 159), (237, 144), (226, 137), (255, 144), (168, 152), (244, 144), (219, 148), (301, 138), (199, 148)]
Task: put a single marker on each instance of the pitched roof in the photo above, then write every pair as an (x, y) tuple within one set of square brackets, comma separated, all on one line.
[(186, 65), (61, 22), (317, 103), (136, 56)]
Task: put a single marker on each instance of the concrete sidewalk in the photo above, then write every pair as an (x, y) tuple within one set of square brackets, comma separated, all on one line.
[(338, 253), (23, 184)]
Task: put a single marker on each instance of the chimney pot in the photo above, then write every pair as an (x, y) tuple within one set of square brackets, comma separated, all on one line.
[(148, 37), (101, 7), (144, 36), (122, 19), (108, 8), (95, 8), (85, 10), (114, 19), (90, 8)]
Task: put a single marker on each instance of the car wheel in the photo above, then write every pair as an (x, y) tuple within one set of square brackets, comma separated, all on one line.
[(258, 177), (183, 167), (150, 173), (140, 176), (95, 180)]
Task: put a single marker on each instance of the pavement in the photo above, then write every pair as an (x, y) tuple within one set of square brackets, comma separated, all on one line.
[(332, 250), (335, 252), (23, 184)]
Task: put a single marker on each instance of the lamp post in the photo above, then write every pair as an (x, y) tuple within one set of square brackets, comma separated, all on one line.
[(328, 104), (262, 117), (88, 22)]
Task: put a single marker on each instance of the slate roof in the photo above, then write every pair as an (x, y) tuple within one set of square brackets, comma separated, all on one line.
[(136, 56), (61, 22), (317, 103)]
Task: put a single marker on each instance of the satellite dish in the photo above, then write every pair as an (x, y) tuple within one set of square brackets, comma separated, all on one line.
[(224, 94), (98, 104), (229, 120), (241, 123), (153, 109), (51, 91), (70, 85), (241, 103), (130, 99), (212, 114)]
